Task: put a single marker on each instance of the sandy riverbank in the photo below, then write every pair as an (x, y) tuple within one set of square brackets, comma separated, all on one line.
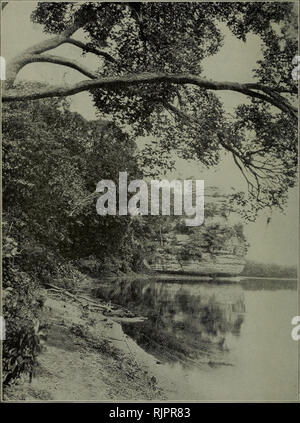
[(87, 357)]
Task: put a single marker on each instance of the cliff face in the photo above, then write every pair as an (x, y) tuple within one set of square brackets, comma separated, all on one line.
[(170, 257), (215, 249)]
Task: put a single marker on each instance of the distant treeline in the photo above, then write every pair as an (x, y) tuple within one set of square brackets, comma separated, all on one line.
[(270, 270)]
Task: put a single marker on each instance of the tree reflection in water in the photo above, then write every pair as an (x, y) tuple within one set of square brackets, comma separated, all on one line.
[(184, 320)]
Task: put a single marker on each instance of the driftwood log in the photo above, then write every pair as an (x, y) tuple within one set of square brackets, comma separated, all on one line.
[(109, 311)]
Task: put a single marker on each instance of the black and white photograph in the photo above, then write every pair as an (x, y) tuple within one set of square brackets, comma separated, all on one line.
[(150, 205)]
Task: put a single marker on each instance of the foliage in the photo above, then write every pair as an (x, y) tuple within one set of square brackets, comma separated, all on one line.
[(22, 309), (216, 235), (213, 238), (52, 161), (53, 157), (51, 168), (269, 270), (189, 120)]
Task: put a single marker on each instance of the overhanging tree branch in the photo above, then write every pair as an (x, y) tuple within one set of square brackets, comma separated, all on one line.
[(117, 82), (53, 42), (58, 60), (15, 65), (255, 172)]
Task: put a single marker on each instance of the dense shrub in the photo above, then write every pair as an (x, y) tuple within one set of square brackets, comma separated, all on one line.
[(23, 303)]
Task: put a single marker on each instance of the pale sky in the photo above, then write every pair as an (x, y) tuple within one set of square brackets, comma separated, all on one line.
[(275, 242)]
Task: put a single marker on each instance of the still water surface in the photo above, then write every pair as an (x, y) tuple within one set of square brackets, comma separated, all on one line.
[(217, 341)]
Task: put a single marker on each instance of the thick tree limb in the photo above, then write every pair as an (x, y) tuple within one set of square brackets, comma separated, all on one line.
[(31, 54), (255, 86), (58, 60), (117, 82), (18, 62), (35, 54), (52, 42)]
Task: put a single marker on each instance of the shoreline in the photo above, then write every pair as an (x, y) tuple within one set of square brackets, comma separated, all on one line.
[(191, 277), (88, 357)]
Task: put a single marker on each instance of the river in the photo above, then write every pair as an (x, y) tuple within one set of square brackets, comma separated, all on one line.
[(216, 341)]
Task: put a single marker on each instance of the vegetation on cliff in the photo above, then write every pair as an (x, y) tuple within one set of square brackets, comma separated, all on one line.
[(269, 270)]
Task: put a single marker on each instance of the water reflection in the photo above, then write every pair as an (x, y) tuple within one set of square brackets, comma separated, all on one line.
[(269, 284), (216, 341), (185, 321)]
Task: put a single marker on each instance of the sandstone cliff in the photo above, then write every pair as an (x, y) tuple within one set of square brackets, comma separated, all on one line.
[(215, 249)]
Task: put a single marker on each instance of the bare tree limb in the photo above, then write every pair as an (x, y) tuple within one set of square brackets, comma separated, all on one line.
[(90, 49)]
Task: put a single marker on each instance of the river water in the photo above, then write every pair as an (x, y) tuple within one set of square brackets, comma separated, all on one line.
[(216, 341)]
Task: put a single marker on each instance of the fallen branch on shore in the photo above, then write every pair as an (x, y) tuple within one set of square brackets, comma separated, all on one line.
[(107, 310), (77, 298)]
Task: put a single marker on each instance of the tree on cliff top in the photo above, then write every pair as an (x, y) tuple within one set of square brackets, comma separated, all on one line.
[(150, 77)]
